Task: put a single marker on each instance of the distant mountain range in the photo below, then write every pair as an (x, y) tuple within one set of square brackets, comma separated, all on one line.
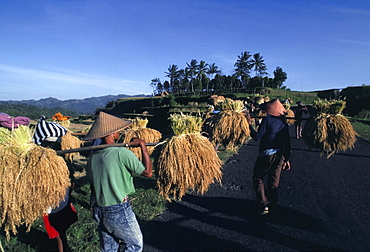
[(80, 106)]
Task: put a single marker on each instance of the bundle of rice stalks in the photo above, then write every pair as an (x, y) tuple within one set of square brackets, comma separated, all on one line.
[(70, 142), (259, 100), (330, 133), (286, 103), (33, 179), (65, 124), (229, 127), (329, 106), (139, 123), (62, 120), (20, 139), (266, 98), (138, 129), (215, 100), (229, 104), (4, 135), (290, 115), (187, 160)]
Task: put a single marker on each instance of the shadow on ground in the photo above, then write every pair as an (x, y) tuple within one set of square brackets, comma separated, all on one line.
[(226, 224)]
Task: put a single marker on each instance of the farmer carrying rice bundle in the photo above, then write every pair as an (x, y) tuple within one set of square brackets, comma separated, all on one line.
[(274, 154), (110, 174)]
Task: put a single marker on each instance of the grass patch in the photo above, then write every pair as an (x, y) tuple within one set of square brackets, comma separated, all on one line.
[(225, 154), (362, 127)]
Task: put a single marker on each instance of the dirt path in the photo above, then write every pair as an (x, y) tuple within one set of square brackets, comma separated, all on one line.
[(323, 205)]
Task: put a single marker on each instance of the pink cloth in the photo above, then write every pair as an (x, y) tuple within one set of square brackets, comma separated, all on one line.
[(12, 123)]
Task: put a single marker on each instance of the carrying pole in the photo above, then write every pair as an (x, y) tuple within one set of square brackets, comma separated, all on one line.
[(98, 147)]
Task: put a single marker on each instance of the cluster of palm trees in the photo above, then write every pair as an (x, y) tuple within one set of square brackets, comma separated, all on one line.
[(201, 77)]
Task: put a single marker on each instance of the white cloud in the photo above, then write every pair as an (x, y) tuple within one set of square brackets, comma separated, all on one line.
[(72, 78)]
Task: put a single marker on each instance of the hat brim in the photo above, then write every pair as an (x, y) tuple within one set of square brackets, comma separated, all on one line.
[(106, 124)]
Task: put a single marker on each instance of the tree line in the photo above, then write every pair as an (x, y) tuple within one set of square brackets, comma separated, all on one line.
[(201, 77), (31, 111)]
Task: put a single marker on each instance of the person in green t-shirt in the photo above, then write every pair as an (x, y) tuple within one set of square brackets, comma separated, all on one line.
[(110, 173)]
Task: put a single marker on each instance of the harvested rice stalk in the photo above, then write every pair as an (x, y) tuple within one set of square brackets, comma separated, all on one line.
[(138, 129), (229, 127), (258, 99), (329, 133), (286, 104), (70, 142), (187, 160), (229, 104), (139, 123), (65, 123), (62, 120), (32, 180), (290, 114), (21, 139), (4, 135), (329, 106)]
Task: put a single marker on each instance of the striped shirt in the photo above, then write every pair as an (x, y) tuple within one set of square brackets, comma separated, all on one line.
[(46, 129)]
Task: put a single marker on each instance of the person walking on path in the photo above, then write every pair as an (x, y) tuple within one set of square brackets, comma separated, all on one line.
[(274, 154), (109, 171), (298, 118)]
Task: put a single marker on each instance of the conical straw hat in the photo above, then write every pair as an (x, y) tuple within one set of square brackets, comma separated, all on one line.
[(274, 108), (106, 124)]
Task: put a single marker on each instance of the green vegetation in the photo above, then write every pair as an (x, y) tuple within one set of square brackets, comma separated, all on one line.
[(32, 112), (362, 127)]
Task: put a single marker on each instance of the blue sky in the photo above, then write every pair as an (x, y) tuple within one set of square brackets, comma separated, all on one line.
[(75, 49)]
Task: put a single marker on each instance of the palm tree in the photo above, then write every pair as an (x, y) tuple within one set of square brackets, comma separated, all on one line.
[(258, 65), (192, 68), (202, 73), (213, 69), (154, 84), (173, 74), (202, 69), (184, 76), (243, 67)]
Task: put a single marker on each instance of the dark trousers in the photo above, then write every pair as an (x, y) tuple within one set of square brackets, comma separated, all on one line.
[(270, 166)]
